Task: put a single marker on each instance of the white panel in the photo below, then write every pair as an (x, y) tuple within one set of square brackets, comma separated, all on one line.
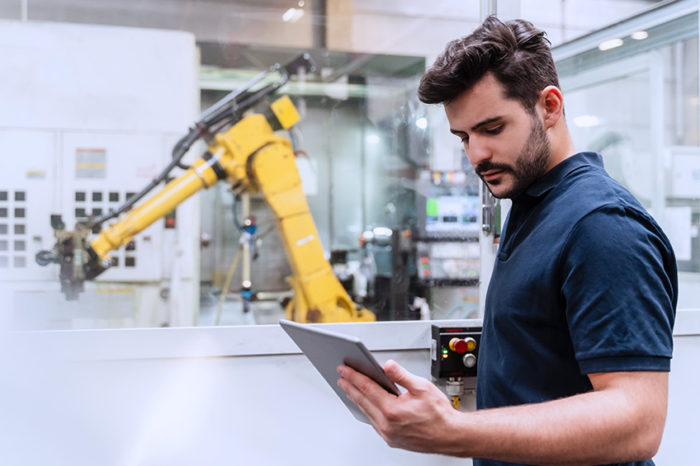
[(96, 110), (131, 162), (166, 396), (28, 172), (95, 77), (679, 446), (685, 172)]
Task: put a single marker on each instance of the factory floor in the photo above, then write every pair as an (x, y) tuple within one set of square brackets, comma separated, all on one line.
[(231, 312)]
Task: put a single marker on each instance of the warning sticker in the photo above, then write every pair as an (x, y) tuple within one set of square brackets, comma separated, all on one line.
[(90, 163)]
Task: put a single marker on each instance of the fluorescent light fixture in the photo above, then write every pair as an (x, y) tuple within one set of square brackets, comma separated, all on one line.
[(422, 122), (586, 121), (639, 35), (292, 15), (372, 138), (610, 44)]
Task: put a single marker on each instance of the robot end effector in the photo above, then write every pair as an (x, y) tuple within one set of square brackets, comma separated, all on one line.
[(77, 261)]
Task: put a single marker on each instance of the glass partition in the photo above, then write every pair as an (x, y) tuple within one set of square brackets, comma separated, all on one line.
[(98, 95), (106, 91), (637, 104)]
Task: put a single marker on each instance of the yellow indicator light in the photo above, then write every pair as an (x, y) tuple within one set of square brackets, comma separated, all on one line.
[(471, 343), (445, 356)]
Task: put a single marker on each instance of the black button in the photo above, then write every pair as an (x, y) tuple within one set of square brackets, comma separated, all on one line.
[(80, 213), (113, 197), (3, 195), (20, 196), (20, 245), (3, 212), (3, 228), (115, 261), (96, 211), (79, 196), (130, 262), (130, 195), (3, 245), (131, 246), (19, 212), (97, 196), (19, 229)]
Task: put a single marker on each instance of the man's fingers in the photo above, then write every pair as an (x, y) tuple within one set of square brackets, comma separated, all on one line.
[(359, 398), (367, 386), (362, 391), (401, 376)]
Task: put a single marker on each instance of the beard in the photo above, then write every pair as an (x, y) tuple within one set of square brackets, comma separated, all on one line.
[(530, 164)]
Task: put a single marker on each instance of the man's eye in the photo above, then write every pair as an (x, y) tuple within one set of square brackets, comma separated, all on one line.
[(494, 130), (465, 139)]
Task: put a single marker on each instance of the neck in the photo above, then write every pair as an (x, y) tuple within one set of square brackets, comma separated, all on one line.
[(561, 144)]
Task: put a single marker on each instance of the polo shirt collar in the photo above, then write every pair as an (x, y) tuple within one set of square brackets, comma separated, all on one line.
[(553, 177)]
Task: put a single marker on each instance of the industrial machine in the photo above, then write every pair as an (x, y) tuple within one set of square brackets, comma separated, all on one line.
[(243, 150), (446, 241)]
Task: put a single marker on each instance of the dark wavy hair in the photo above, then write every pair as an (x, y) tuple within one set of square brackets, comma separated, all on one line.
[(517, 53)]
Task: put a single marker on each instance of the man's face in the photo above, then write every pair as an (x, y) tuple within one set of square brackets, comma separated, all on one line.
[(507, 145)]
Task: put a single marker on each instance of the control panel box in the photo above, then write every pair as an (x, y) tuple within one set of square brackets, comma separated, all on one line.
[(454, 351)]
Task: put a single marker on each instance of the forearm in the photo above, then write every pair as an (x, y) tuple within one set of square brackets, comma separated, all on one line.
[(598, 427)]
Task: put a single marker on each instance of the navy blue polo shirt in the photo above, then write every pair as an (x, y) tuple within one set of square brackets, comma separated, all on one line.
[(584, 281)]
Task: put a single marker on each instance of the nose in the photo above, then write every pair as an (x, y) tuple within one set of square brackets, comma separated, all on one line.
[(477, 150)]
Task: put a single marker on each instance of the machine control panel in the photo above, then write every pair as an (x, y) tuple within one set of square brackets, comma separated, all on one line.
[(454, 351)]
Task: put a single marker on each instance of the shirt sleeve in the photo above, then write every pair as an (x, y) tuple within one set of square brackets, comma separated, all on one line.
[(619, 284)]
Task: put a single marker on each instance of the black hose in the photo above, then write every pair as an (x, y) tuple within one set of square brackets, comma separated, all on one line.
[(227, 114), (179, 151)]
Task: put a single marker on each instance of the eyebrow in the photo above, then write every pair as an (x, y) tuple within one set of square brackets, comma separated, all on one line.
[(478, 125)]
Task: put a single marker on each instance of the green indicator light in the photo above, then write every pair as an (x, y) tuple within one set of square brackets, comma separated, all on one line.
[(431, 207), (444, 351)]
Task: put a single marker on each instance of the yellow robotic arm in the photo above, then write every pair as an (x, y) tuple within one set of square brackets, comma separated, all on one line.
[(251, 158)]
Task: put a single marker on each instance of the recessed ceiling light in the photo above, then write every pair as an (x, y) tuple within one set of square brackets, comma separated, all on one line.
[(292, 15), (639, 35), (610, 44)]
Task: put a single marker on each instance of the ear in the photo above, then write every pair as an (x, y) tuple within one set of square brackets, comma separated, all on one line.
[(552, 103)]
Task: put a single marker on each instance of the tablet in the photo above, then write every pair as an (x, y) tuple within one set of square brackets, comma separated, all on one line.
[(327, 350)]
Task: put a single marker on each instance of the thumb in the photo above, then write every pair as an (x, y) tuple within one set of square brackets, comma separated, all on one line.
[(402, 377)]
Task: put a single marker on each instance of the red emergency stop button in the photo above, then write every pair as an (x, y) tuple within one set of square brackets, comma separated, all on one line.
[(458, 345)]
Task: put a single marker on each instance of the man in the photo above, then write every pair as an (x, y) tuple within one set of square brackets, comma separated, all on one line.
[(576, 345)]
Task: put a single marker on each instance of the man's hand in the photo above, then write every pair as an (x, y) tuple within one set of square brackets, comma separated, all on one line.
[(417, 420), (621, 420)]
